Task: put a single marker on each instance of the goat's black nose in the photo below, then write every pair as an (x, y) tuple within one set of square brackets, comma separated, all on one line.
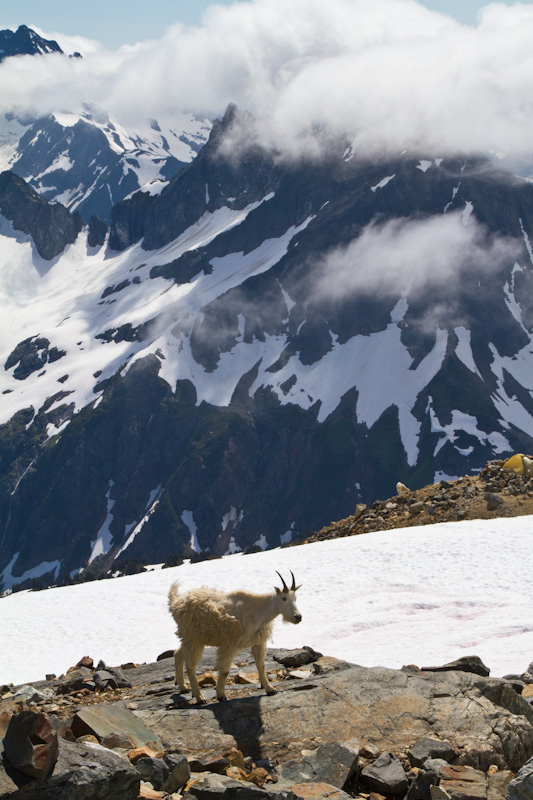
[(297, 618)]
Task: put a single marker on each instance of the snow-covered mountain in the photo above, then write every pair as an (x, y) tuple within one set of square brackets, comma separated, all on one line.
[(257, 348), (25, 41), (89, 162)]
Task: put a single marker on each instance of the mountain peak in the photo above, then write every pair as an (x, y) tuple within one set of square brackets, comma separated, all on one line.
[(25, 41)]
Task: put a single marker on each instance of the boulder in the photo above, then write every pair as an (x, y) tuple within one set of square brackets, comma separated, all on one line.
[(30, 744), (314, 791), (425, 779), (331, 763), (429, 748), (29, 694), (416, 508), (296, 658), (77, 679), (464, 783), (153, 770), (81, 771), (521, 788), (494, 501), (104, 720), (465, 664), (179, 772), (386, 776), (208, 786)]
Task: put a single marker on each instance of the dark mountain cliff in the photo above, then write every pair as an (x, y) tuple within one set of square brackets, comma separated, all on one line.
[(50, 225), (288, 387), (25, 41)]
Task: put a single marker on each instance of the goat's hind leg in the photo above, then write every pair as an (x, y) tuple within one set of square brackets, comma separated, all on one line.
[(179, 660), (224, 658), (258, 652)]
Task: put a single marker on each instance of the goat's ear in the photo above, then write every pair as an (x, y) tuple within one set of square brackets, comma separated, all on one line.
[(278, 590), (296, 588)]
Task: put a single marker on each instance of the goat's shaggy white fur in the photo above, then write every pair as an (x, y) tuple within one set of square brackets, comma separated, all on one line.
[(229, 622)]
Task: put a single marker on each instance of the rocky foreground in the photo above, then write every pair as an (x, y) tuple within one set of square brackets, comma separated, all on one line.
[(495, 492), (333, 730)]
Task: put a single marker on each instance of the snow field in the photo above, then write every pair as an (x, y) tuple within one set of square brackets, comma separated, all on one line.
[(425, 595)]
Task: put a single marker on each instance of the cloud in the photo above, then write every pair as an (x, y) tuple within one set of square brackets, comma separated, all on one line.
[(69, 44), (415, 257), (388, 74)]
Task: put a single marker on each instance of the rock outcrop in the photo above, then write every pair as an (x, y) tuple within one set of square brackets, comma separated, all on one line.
[(333, 730), (25, 41), (50, 225)]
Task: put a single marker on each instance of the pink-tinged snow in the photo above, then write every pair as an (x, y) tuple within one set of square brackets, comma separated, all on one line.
[(424, 596)]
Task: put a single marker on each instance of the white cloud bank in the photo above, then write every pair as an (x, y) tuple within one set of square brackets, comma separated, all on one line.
[(411, 256), (386, 72)]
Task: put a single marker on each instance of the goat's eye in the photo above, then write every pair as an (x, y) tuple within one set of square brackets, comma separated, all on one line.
[(284, 599)]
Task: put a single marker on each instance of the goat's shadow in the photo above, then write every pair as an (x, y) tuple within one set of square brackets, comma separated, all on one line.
[(238, 717), (241, 718)]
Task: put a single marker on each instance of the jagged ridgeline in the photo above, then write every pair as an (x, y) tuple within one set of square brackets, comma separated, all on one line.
[(254, 350)]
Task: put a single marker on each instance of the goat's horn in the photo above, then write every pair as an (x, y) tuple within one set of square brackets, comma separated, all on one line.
[(293, 587), (285, 587)]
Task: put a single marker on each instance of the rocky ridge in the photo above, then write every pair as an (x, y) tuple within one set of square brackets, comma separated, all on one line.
[(495, 492), (25, 41), (333, 729)]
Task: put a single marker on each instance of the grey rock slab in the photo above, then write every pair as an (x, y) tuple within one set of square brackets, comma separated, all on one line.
[(169, 773), (315, 791), (207, 786), (179, 772), (421, 787), (498, 784), (296, 658), (464, 783), (390, 709), (102, 720), (521, 788), (465, 664), (386, 776), (428, 747), (333, 763)]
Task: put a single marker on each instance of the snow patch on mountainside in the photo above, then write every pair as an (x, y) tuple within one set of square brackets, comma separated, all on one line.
[(463, 350), (364, 363), (8, 580), (62, 302)]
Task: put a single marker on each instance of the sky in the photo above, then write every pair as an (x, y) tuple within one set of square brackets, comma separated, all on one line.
[(127, 21), (426, 596)]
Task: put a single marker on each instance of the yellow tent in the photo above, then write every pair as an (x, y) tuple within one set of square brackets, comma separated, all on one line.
[(521, 464)]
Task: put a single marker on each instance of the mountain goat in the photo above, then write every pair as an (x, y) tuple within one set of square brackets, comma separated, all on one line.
[(229, 622)]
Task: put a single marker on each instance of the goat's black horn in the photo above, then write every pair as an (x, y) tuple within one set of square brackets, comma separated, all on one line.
[(285, 587), (293, 587)]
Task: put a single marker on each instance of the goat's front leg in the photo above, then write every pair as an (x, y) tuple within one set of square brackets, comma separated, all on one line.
[(258, 652), (224, 658)]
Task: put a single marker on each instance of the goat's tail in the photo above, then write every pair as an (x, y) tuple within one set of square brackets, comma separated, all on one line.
[(173, 594)]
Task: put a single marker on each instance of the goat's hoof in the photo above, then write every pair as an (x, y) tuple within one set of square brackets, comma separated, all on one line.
[(270, 692), (222, 699), (201, 701)]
